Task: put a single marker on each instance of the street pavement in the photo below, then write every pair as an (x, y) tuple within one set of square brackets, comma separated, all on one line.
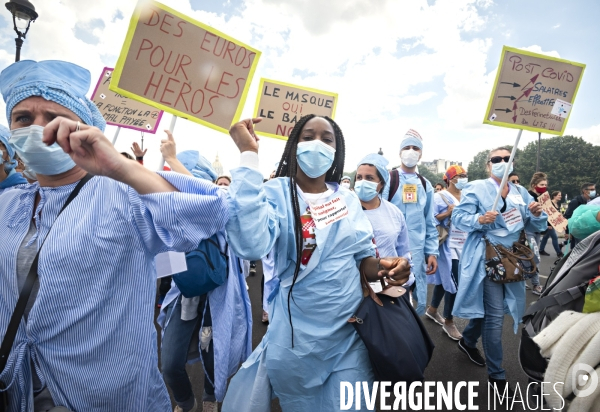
[(448, 364)]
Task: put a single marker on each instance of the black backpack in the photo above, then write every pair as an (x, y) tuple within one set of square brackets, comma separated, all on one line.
[(395, 183), (565, 290)]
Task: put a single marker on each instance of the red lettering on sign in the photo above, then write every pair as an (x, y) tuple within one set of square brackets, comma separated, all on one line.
[(150, 84), (181, 93), (205, 40), (167, 90), (144, 48), (164, 21)]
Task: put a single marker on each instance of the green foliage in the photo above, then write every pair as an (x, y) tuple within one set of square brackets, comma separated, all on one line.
[(567, 160), (432, 177)]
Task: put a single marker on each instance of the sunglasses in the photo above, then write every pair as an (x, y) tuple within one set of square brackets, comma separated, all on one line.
[(515, 181), (498, 159)]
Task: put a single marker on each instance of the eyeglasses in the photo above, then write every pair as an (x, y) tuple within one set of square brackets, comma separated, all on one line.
[(498, 159), (515, 181)]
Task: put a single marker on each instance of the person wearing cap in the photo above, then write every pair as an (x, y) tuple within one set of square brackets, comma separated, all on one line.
[(346, 182), (389, 227), (222, 317), (413, 195), (445, 278), (480, 298), (87, 340), (9, 177)]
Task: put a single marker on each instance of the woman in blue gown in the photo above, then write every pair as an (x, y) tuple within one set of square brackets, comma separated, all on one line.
[(321, 238)]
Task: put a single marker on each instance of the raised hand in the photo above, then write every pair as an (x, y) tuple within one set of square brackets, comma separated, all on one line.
[(168, 148), (243, 135), (87, 146), (137, 151)]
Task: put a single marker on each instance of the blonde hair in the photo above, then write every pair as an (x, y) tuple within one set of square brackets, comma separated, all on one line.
[(536, 179)]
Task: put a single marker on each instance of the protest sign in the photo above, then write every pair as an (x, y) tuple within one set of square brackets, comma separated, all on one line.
[(120, 111), (281, 105), (184, 67), (555, 218), (527, 89)]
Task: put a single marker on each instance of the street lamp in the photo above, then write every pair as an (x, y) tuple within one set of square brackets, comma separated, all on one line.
[(23, 14)]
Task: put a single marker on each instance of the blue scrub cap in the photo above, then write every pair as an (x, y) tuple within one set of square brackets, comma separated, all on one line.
[(58, 81), (379, 162), (346, 177), (412, 138), (4, 136), (197, 165)]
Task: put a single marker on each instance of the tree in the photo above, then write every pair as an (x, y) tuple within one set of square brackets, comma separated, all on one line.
[(568, 161), (432, 177)]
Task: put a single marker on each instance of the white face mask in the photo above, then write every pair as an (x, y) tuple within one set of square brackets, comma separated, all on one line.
[(346, 185), (40, 158), (410, 157), (225, 188)]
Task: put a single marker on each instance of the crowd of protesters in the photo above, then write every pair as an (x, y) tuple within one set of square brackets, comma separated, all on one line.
[(81, 225)]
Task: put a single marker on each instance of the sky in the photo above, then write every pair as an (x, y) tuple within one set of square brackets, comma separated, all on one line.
[(396, 64)]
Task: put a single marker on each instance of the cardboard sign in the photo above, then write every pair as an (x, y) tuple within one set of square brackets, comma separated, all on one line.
[(281, 105), (527, 87), (120, 111), (555, 218), (184, 67)]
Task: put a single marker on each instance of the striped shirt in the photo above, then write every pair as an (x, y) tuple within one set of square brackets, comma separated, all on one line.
[(90, 333)]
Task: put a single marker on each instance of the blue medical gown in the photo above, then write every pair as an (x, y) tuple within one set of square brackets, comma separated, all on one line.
[(422, 234), (476, 199), (443, 274), (90, 333), (231, 316), (327, 350)]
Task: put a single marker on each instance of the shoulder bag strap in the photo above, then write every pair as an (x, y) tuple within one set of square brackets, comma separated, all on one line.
[(15, 320), (423, 182), (394, 183)]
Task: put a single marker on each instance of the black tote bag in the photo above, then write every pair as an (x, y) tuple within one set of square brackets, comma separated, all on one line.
[(399, 346)]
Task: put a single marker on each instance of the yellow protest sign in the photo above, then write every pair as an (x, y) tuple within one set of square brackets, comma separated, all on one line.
[(120, 111), (555, 218), (281, 105), (184, 67), (533, 92)]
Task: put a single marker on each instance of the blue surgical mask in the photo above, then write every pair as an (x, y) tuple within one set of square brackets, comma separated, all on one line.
[(499, 168), (40, 158), (365, 190), (592, 194), (461, 183), (315, 157)]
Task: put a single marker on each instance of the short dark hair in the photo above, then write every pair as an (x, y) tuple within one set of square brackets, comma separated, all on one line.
[(513, 174), (554, 194), (441, 184), (586, 186)]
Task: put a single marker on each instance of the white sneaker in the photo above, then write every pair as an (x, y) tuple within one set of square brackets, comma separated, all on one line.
[(435, 316), (210, 406), (451, 331), (194, 409)]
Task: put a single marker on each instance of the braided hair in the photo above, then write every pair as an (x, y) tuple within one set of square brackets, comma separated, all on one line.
[(288, 167)]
